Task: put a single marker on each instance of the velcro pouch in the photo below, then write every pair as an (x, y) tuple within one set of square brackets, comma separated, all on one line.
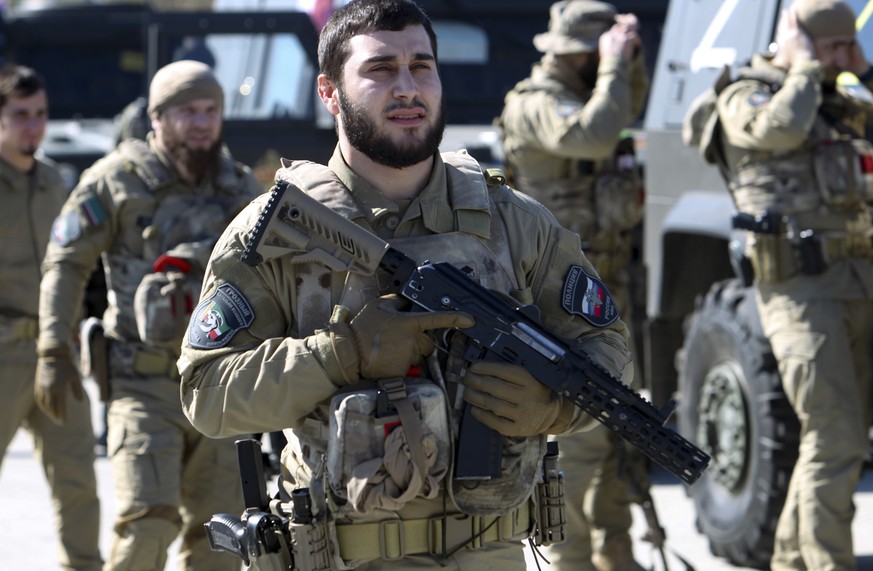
[(387, 444)]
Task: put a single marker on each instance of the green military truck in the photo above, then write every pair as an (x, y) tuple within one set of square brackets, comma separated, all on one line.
[(703, 340)]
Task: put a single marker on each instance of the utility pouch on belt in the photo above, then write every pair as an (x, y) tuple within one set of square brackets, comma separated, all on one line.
[(551, 511), (95, 355), (163, 304), (388, 443)]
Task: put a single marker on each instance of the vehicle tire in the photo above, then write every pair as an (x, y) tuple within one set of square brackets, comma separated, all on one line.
[(733, 407)]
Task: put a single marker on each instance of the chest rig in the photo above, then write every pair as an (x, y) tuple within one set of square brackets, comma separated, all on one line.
[(155, 290), (807, 208), (832, 171), (478, 246), (598, 199)]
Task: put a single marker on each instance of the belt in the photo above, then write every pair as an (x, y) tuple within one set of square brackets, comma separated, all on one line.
[(394, 539), (141, 360), (18, 329)]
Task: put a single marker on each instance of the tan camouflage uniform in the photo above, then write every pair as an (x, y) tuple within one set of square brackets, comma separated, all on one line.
[(29, 204), (803, 152), (130, 208), (561, 143), (265, 374)]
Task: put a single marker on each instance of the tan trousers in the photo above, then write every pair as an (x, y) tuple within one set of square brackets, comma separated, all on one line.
[(169, 480), (67, 456), (824, 349)]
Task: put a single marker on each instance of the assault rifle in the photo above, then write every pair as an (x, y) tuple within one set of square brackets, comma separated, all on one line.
[(295, 223)]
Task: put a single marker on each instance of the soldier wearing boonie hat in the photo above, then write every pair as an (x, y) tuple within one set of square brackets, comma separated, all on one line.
[(152, 210), (562, 129)]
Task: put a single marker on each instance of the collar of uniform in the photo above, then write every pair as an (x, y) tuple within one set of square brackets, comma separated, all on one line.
[(372, 204), (441, 205), (16, 180)]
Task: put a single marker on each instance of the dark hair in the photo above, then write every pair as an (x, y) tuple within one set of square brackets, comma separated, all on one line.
[(20, 81), (361, 16)]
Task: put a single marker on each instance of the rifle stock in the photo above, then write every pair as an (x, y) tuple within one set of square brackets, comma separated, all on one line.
[(295, 223)]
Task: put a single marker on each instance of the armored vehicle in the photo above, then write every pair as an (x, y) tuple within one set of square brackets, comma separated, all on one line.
[(703, 340)]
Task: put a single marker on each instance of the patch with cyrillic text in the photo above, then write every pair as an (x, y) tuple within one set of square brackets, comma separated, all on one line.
[(218, 317), (586, 296)]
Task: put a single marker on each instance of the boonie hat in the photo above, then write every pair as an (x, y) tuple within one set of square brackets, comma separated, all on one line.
[(575, 26)]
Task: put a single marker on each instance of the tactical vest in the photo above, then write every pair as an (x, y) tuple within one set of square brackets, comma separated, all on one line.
[(152, 294), (831, 172), (819, 191), (488, 260), (598, 199)]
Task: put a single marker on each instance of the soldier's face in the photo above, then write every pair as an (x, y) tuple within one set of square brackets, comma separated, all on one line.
[(22, 123), (195, 125), (834, 53), (389, 104)]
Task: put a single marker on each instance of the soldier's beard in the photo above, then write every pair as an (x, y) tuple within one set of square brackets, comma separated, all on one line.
[(198, 163), (363, 135)]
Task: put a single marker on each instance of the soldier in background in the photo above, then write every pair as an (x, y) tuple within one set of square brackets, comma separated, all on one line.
[(32, 194), (152, 210), (795, 150), (564, 143)]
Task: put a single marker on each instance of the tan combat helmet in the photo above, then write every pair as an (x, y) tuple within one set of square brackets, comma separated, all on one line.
[(825, 18)]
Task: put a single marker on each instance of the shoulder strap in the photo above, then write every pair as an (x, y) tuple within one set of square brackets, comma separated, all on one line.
[(145, 163)]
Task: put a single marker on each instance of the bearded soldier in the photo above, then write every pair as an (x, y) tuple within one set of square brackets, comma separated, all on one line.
[(565, 145), (153, 211), (311, 349)]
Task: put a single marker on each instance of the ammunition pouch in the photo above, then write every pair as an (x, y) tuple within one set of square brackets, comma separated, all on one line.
[(389, 443), (777, 257), (14, 329), (94, 356), (163, 304), (844, 171)]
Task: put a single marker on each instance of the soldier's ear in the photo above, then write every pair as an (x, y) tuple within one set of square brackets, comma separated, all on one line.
[(328, 93)]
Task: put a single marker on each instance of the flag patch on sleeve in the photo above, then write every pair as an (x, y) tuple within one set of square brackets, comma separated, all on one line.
[(587, 297), (218, 317)]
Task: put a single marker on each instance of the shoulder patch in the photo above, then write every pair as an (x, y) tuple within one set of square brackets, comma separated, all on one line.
[(218, 317), (66, 228), (565, 108), (758, 98), (69, 226), (587, 297)]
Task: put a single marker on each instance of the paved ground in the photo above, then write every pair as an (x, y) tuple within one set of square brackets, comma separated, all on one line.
[(27, 540)]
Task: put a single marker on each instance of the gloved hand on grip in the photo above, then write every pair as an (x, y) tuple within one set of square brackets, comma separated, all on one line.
[(55, 372), (510, 400), (382, 340)]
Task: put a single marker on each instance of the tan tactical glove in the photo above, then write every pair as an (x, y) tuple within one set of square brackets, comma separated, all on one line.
[(382, 340), (55, 371), (508, 399)]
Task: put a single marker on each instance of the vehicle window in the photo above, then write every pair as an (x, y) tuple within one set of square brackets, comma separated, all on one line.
[(265, 76)]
